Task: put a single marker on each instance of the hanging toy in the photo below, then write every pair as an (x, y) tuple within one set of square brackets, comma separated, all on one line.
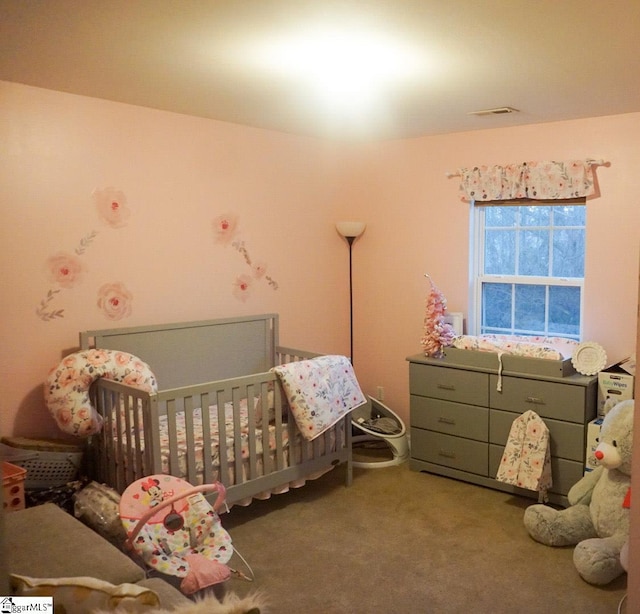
[(437, 333)]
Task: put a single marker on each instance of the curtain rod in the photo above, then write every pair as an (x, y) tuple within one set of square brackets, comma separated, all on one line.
[(599, 162)]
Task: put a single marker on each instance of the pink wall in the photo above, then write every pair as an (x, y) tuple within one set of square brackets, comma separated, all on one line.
[(417, 225), (179, 173)]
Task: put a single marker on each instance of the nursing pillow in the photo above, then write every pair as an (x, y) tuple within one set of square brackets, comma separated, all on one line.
[(66, 390)]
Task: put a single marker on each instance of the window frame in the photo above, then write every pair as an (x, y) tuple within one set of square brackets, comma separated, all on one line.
[(476, 263)]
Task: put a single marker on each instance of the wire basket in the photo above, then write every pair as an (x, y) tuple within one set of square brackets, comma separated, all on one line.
[(48, 464)]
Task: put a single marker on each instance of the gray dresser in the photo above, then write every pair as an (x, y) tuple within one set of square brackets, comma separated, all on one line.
[(460, 421)]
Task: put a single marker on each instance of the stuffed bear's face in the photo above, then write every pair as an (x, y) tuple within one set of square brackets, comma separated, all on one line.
[(616, 438)]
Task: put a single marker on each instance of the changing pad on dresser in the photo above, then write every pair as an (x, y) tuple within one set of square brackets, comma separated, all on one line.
[(536, 355), (549, 348)]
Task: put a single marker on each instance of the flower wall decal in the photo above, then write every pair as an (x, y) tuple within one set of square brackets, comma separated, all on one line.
[(259, 270), (115, 301), (242, 287), (66, 270), (111, 204), (225, 228)]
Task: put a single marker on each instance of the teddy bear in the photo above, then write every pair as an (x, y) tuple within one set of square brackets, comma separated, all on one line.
[(597, 519)]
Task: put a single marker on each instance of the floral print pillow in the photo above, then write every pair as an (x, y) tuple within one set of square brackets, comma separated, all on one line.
[(66, 390)]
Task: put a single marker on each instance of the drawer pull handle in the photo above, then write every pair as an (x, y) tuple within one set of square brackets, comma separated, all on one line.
[(446, 420), (535, 400), (447, 454), (446, 387)]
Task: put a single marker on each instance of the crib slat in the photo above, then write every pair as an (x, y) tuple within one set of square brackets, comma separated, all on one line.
[(262, 429), (190, 448), (207, 460), (283, 430), (237, 438), (132, 437), (222, 439), (251, 434), (174, 465), (152, 447)]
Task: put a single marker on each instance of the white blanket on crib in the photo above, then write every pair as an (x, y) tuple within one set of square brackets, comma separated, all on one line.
[(320, 391)]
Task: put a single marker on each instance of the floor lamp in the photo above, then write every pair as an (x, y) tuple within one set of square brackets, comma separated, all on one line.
[(350, 231)]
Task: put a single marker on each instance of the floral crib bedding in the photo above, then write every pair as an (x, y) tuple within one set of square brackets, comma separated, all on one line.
[(178, 441), (320, 392)]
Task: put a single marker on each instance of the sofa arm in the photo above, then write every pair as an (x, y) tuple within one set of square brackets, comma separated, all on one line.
[(47, 542)]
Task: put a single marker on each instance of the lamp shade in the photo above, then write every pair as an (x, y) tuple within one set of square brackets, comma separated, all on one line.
[(350, 229)]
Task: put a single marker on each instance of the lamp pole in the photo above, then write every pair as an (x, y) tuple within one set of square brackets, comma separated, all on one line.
[(350, 240), (350, 231)]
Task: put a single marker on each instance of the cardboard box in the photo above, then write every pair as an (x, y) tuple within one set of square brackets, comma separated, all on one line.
[(615, 384), (593, 434)]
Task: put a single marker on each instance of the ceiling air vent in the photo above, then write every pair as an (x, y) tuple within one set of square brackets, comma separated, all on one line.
[(498, 111)]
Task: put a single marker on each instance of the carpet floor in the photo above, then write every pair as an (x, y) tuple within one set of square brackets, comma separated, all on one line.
[(399, 541)]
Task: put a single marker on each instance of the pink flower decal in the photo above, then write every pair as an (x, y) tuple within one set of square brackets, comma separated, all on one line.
[(225, 227), (65, 269), (259, 270), (242, 287), (115, 301), (112, 206)]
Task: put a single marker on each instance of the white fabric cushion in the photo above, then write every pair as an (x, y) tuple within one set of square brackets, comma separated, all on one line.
[(82, 594)]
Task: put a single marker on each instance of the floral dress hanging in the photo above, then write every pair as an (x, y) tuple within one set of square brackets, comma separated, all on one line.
[(437, 333)]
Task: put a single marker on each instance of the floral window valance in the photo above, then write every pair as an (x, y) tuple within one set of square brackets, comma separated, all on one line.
[(536, 180)]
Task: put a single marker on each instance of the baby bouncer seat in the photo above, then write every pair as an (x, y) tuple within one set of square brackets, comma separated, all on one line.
[(377, 422), (174, 529)]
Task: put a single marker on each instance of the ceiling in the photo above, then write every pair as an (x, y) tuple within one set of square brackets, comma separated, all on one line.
[(550, 59)]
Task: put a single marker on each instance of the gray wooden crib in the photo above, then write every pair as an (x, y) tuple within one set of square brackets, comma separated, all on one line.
[(219, 413)]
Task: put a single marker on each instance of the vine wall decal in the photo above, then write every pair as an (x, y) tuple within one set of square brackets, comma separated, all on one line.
[(225, 228), (66, 270)]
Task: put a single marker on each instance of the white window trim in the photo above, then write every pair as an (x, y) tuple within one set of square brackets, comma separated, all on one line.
[(476, 256)]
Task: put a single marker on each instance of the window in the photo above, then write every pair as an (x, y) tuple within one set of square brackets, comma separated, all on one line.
[(528, 268)]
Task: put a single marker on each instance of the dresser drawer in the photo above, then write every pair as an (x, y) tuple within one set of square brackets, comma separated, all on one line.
[(547, 399), (449, 384), (567, 438), (456, 419), (564, 473), (455, 452)]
